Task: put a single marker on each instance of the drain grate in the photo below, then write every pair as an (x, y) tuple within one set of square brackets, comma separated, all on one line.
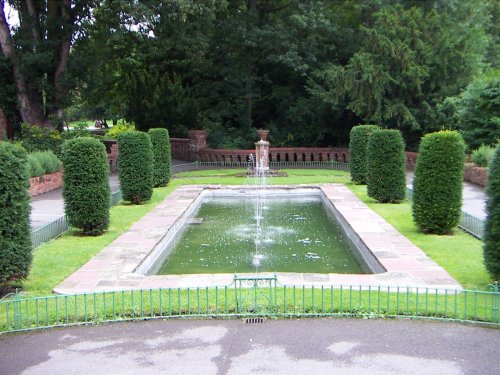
[(254, 320)]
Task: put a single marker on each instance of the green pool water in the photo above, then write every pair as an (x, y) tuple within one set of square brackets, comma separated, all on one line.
[(297, 235)]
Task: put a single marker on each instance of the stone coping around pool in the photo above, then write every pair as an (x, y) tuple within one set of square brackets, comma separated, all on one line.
[(114, 268)]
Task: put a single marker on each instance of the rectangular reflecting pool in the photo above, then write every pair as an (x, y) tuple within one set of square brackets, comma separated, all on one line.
[(240, 234), (134, 258)]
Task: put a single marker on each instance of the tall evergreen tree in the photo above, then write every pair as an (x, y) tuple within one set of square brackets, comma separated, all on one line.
[(409, 61)]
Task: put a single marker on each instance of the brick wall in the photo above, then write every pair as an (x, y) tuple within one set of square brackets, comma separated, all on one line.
[(476, 175), (180, 148), (43, 184), (197, 142), (411, 160)]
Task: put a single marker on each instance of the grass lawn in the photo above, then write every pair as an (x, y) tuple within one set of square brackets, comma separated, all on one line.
[(460, 254), (89, 123)]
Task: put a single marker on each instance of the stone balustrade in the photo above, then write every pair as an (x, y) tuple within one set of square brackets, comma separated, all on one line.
[(277, 154), (301, 154)]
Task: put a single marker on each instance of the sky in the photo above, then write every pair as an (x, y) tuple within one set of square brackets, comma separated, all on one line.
[(11, 15)]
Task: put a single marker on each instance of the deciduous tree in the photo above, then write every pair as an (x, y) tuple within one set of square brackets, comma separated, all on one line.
[(38, 50)]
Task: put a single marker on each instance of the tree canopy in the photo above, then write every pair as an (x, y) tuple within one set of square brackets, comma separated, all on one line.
[(307, 70), (38, 50)]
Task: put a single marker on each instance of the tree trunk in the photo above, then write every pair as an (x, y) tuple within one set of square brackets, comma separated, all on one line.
[(38, 106), (4, 123), (30, 102)]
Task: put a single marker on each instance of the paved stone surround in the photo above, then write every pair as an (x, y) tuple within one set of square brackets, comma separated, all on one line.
[(113, 268)]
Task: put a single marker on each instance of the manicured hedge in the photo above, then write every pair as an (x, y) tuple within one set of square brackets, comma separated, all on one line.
[(386, 166), (358, 144), (437, 187), (15, 232), (135, 166), (492, 229), (162, 159), (86, 189)]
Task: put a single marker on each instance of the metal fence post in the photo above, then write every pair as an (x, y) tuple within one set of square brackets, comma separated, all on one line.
[(495, 305), (17, 311)]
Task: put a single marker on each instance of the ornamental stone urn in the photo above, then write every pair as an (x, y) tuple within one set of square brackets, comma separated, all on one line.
[(263, 133)]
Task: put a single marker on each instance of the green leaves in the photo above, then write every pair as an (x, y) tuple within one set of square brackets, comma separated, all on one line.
[(15, 236), (478, 111), (358, 151), (410, 59), (86, 190), (162, 158), (135, 166), (492, 228), (386, 166), (437, 187), (307, 70)]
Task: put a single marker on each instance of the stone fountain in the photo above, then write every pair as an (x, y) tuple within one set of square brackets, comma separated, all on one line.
[(260, 164)]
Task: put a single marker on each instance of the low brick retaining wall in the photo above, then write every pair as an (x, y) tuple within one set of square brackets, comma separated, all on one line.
[(476, 175), (45, 183)]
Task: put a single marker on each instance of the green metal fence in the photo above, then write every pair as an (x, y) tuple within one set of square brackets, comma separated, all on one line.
[(60, 225), (116, 197), (472, 224), (49, 231), (257, 296)]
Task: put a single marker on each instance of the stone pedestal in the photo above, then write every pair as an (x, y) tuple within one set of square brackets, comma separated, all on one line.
[(197, 142), (262, 150)]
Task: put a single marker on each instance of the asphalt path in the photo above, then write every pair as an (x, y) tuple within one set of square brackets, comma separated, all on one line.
[(47, 207), (308, 346)]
